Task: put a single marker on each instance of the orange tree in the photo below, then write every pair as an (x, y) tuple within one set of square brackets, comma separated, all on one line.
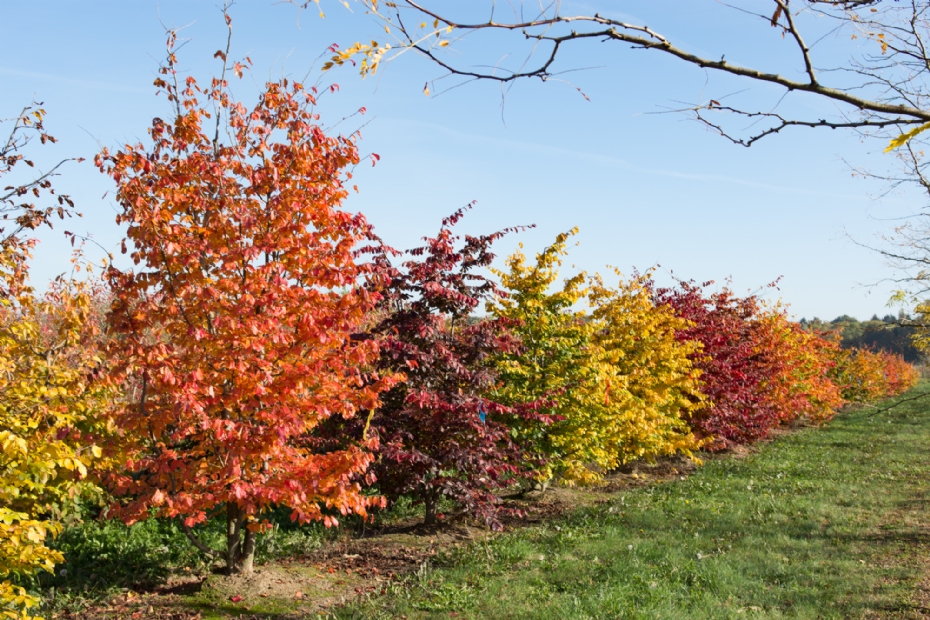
[(864, 375), (796, 366), (860, 375), (231, 335), (900, 376)]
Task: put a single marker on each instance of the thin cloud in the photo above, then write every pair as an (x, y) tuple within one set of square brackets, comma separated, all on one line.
[(617, 162)]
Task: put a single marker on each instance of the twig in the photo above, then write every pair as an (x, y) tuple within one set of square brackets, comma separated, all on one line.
[(903, 400)]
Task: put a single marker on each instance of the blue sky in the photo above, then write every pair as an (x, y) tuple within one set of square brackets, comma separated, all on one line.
[(644, 188)]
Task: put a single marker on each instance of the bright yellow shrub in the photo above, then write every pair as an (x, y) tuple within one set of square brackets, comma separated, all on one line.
[(49, 420), (555, 361), (647, 386), (617, 377)]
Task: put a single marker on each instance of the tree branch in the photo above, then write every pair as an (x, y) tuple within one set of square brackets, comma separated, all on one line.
[(210, 552), (650, 39)]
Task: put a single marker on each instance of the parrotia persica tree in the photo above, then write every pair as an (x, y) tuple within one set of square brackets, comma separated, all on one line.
[(900, 376), (50, 403), (796, 365), (647, 387), (620, 386), (860, 375), (51, 422), (232, 335), (864, 375), (554, 362), (441, 433), (732, 365)]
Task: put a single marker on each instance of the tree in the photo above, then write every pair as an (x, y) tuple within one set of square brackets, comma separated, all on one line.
[(886, 89), (50, 401), (758, 369), (619, 384), (731, 363), (18, 214), (860, 374), (886, 334), (900, 376), (797, 367), (647, 386), (232, 335), (51, 422), (555, 361), (443, 432), (865, 376)]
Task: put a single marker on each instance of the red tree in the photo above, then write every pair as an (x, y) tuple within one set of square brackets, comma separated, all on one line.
[(729, 362), (232, 334), (441, 436), (758, 369)]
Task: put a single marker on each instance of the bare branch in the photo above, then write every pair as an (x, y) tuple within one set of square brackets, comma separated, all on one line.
[(210, 552), (793, 29), (644, 37)]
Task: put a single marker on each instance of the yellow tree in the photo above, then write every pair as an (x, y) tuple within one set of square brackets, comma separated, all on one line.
[(554, 362), (647, 386), (617, 378), (49, 423), (48, 398)]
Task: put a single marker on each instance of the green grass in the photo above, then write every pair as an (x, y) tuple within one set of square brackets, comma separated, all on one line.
[(103, 558), (823, 523)]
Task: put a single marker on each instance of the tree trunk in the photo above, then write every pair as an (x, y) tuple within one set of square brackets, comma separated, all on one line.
[(233, 536), (247, 557), (430, 501), (240, 541)]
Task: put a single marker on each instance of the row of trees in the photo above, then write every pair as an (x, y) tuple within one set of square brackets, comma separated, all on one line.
[(890, 333), (266, 349)]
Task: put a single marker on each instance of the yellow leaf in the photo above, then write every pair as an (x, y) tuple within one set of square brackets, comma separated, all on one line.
[(904, 138)]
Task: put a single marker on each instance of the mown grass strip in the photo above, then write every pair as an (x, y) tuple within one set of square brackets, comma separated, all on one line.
[(829, 522)]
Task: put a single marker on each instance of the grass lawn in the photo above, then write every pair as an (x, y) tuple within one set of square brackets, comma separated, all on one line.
[(829, 522)]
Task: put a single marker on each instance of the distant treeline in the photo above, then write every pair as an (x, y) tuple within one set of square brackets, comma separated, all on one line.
[(880, 334)]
